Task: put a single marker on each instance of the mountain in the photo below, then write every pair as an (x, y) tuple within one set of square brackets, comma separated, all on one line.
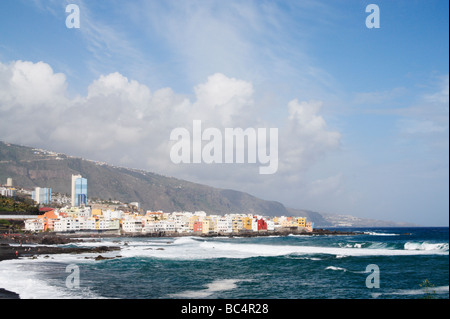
[(337, 220), (29, 168), (316, 218)]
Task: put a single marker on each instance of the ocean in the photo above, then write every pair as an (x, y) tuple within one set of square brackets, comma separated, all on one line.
[(378, 263)]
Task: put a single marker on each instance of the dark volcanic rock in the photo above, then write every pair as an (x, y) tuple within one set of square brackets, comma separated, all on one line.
[(5, 294)]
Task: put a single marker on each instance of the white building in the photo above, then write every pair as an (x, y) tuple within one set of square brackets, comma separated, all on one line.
[(167, 226), (42, 195), (200, 214), (132, 225), (148, 228), (181, 223), (225, 224), (113, 214), (8, 192), (255, 224), (108, 224), (67, 224), (84, 212), (34, 225)]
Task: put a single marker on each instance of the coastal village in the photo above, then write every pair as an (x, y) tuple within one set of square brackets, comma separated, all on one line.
[(78, 215)]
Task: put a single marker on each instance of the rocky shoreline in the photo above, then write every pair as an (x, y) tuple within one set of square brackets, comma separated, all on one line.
[(17, 246), (13, 246)]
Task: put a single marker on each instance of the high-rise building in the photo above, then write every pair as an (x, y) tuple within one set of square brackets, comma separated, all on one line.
[(79, 190), (9, 182), (42, 195)]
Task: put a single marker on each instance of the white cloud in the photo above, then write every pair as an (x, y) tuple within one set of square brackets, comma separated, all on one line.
[(307, 137), (122, 122), (442, 94), (26, 84), (429, 117)]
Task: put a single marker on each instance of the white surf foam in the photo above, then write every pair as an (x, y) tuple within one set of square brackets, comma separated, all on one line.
[(212, 288), (426, 246), (336, 268), (380, 234), (17, 276), (200, 248)]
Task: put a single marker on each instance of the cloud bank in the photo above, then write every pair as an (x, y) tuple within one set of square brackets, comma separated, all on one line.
[(124, 122)]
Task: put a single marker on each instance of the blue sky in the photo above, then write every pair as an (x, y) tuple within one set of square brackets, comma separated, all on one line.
[(142, 68)]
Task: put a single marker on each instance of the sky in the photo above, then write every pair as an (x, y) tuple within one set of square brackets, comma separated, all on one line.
[(362, 113)]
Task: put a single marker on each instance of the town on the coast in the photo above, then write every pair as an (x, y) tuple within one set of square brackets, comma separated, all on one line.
[(76, 214)]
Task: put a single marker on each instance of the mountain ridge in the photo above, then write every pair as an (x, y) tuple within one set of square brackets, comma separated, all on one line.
[(32, 167)]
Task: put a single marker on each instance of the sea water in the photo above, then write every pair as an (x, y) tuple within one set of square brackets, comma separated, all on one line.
[(412, 263)]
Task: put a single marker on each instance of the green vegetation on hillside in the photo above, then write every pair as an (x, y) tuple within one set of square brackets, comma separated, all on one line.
[(18, 205)]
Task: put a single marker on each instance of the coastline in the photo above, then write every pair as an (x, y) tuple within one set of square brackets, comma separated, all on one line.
[(12, 245)]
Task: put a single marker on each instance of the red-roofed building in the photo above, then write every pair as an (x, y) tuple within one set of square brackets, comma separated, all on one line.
[(48, 218), (262, 225), (43, 210)]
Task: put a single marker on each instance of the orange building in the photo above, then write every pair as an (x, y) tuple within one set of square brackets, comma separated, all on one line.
[(48, 218), (198, 226)]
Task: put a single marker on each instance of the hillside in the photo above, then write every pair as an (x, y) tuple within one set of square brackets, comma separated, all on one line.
[(17, 205), (30, 168)]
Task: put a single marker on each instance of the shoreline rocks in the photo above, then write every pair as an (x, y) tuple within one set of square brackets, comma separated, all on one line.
[(6, 294)]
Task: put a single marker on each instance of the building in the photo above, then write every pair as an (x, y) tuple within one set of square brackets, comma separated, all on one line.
[(9, 182), (132, 225), (262, 224), (42, 195), (34, 225), (48, 219), (247, 223), (301, 222), (156, 216), (79, 191), (237, 224), (270, 225), (205, 227), (198, 226), (192, 221), (67, 224), (7, 192), (107, 224), (225, 225)]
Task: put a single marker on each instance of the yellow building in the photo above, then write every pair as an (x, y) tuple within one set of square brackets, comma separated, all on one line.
[(205, 226), (97, 212), (288, 222), (247, 223), (192, 221), (212, 224), (301, 222), (237, 224)]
